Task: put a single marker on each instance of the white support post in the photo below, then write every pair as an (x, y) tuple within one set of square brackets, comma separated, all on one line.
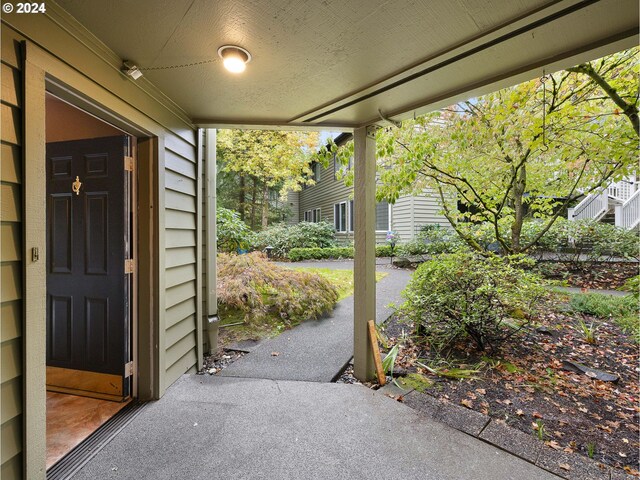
[(365, 245), (619, 221)]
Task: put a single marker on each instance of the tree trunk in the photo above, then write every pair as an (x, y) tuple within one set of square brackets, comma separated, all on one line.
[(254, 194), (265, 205), (242, 205), (520, 184)]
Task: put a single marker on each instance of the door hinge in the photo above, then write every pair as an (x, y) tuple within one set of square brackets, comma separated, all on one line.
[(129, 265), (128, 164), (128, 370)]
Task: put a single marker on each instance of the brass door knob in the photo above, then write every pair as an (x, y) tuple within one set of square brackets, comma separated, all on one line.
[(75, 186)]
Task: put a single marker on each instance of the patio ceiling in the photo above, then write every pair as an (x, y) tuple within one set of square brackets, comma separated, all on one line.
[(335, 63)]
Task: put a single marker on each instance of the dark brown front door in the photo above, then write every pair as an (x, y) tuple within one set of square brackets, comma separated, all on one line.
[(87, 286)]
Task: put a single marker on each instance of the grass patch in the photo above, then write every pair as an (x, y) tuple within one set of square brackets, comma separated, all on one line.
[(622, 310), (341, 279)]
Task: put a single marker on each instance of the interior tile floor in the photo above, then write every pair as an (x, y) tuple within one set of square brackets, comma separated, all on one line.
[(71, 419)]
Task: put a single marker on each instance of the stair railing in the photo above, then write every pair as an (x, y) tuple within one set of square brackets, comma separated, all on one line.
[(628, 214)]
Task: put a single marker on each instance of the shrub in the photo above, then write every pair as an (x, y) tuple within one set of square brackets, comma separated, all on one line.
[(583, 242), (299, 254), (259, 288), (300, 235), (432, 240), (232, 232), (631, 285), (462, 295)]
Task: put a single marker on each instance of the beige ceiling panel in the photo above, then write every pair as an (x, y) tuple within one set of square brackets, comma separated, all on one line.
[(311, 57)]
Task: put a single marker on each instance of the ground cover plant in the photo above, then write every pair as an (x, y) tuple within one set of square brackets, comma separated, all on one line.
[(529, 383), (258, 291), (259, 299)]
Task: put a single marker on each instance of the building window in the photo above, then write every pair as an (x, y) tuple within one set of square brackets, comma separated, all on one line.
[(340, 216), (382, 216), (312, 215)]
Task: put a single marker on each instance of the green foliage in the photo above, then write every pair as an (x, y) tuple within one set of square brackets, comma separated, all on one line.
[(341, 279), (525, 151), (390, 359), (588, 331), (604, 306), (432, 240), (274, 158), (624, 311), (465, 296), (384, 250), (415, 381), (581, 242), (284, 237), (232, 233), (630, 324), (540, 430), (632, 285), (262, 290), (300, 254), (585, 241)]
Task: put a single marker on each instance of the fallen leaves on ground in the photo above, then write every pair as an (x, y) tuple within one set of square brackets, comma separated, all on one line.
[(577, 413)]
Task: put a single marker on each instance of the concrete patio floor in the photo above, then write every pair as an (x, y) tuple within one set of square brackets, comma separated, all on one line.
[(209, 427)]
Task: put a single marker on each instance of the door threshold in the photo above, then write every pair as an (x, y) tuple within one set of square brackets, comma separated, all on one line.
[(78, 457)]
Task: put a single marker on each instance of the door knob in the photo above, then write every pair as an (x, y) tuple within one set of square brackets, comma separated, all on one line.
[(75, 186)]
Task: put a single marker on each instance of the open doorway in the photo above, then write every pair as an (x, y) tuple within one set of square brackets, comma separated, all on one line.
[(90, 274)]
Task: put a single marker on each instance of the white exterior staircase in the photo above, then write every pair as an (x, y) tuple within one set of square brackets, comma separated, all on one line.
[(619, 201)]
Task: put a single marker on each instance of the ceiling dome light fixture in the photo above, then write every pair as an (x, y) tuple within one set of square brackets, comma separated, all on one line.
[(234, 58)]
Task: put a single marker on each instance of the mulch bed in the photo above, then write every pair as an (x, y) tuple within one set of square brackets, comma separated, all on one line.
[(600, 275), (526, 386)]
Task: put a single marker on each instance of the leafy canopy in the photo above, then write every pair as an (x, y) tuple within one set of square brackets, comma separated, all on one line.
[(529, 150)]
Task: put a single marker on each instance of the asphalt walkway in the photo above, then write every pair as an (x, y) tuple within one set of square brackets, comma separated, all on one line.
[(318, 350), (209, 427)]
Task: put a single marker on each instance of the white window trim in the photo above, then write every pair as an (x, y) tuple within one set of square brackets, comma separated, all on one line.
[(388, 221)]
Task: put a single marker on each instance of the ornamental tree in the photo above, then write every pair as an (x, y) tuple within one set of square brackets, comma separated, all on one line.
[(276, 158), (528, 150)]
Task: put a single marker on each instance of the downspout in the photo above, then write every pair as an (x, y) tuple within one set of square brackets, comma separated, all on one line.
[(211, 241)]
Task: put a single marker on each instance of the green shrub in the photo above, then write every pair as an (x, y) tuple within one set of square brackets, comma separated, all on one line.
[(432, 240), (232, 233), (631, 285), (583, 242), (252, 284), (462, 295), (385, 250), (300, 235), (299, 254)]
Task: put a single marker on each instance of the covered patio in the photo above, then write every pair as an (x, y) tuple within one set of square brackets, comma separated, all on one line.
[(333, 65)]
